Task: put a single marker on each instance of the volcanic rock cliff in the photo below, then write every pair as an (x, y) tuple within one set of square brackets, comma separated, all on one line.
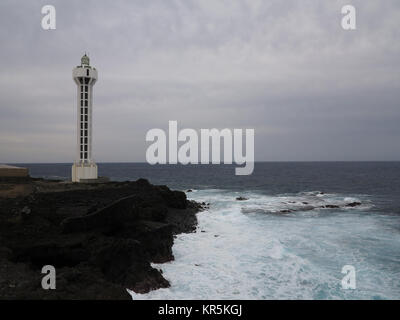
[(101, 238)]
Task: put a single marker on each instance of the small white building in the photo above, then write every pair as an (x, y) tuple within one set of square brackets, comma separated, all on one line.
[(85, 76)]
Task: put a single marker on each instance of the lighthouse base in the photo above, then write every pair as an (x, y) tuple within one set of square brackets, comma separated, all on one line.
[(81, 172)]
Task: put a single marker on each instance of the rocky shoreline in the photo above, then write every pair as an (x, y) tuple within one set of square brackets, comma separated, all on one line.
[(101, 238)]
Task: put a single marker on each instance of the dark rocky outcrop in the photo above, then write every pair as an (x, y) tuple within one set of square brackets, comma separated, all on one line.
[(306, 207), (353, 204), (331, 206), (242, 199), (100, 238)]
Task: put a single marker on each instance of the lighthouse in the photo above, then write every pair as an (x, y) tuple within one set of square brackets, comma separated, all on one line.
[(84, 168)]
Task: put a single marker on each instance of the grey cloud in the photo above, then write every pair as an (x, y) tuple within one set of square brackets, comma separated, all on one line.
[(311, 90)]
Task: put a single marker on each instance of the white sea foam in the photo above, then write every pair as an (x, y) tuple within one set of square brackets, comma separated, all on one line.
[(245, 252)]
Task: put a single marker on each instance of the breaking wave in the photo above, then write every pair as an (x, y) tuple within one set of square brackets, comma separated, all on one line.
[(287, 246)]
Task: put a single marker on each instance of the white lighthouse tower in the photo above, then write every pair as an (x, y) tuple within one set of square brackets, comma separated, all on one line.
[(85, 77)]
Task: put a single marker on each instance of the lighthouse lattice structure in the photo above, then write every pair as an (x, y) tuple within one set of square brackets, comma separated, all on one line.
[(85, 76)]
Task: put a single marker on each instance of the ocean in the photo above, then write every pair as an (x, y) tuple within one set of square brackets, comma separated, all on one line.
[(289, 240)]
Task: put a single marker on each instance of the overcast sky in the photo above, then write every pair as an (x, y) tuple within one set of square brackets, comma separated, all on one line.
[(311, 90)]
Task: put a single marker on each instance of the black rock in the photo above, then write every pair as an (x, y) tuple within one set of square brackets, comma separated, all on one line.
[(331, 206), (242, 198), (353, 204), (25, 210), (100, 238)]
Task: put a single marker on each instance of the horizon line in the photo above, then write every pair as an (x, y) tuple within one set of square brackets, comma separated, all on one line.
[(191, 164)]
